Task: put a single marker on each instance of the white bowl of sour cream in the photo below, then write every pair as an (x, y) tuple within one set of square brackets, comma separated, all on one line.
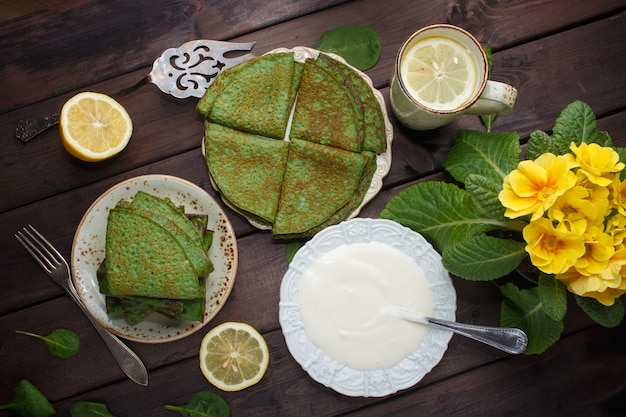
[(338, 304)]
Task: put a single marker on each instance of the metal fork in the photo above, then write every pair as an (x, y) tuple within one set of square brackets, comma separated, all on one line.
[(56, 267)]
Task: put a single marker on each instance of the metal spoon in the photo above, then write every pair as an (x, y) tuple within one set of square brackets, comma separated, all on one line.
[(186, 71), (510, 340)]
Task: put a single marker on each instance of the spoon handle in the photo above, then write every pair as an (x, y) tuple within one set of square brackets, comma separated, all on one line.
[(29, 128), (510, 340)]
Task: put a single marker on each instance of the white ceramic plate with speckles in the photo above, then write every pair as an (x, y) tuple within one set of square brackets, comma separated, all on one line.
[(326, 370), (88, 251)]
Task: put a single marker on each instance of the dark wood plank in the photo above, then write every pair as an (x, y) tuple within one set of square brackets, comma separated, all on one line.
[(110, 38), (11, 9)]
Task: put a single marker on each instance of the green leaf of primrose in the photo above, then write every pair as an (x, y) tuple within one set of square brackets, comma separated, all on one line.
[(523, 309), (359, 45), (89, 409), (606, 316), (488, 119), (62, 343), (492, 155), (576, 123), (437, 210), (482, 257), (203, 404), (553, 296), (485, 192), (28, 401), (540, 142), (440, 211), (603, 139)]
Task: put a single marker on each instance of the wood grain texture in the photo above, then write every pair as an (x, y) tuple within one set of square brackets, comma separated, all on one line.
[(11, 9), (554, 52)]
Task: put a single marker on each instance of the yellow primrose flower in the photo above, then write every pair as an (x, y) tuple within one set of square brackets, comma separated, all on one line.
[(597, 162), (598, 253), (535, 185), (599, 198), (605, 287), (552, 251), (574, 208), (618, 194), (616, 227)]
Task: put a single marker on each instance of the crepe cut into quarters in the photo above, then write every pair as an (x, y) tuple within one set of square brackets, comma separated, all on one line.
[(292, 145)]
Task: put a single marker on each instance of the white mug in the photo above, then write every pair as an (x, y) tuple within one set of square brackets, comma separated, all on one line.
[(482, 96)]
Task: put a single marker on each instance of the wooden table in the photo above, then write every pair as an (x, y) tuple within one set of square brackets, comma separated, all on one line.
[(554, 52)]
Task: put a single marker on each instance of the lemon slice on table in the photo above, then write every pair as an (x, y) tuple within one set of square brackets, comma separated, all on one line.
[(440, 73), (94, 126), (233, 356)]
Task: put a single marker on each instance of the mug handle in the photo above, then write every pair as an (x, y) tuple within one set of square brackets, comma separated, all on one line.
[(497, 97)]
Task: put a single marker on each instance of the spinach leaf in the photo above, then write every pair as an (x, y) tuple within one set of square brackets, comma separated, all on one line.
[(62, 343), (89, 409), (292, 249), (28, 401), (359, 45), (203, 404)]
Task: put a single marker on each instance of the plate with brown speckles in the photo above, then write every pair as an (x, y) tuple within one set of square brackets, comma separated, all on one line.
[(88, 252)]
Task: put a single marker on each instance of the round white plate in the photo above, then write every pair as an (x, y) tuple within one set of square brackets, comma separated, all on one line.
[(383, 160), (339, 377), (88, 251)]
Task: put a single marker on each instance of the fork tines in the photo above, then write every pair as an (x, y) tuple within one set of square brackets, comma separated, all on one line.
[(39, 247)]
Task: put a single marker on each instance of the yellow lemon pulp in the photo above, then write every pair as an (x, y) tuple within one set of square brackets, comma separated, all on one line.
[(439, 72), (233, 356), (94, 126)]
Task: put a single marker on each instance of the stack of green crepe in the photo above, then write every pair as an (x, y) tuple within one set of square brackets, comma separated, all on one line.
[(156, 260)]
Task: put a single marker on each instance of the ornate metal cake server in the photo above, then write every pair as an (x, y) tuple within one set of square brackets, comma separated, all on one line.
[(186, 71)]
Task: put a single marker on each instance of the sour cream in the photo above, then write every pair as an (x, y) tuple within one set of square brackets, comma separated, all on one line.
[(348, 299)]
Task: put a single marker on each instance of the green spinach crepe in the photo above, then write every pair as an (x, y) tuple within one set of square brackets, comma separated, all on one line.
[(263, 104), (247, 169), (156, 260), (374, 138), (326, 112), (319, 180), (343, 212)]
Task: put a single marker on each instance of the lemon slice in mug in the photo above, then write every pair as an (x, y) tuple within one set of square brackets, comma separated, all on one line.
[(439, 72), (94, 126), (233, 356)]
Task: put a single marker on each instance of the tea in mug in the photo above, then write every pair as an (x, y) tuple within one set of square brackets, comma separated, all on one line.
[(439, 72)]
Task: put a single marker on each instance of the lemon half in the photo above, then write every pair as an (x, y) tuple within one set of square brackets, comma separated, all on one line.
[(94, 126), (233, 356)]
